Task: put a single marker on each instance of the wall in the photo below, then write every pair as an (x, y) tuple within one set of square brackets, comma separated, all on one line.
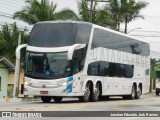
[(11, 80), (4, 80)]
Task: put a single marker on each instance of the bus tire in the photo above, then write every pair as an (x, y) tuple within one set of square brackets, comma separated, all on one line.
[(96, 93), (104, 98), (138, 92), (125, 97), (133, 93), (46, 99), (86, 96), (57, 99), (157, 93)]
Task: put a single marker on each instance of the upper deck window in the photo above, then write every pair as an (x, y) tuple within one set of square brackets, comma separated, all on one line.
[(59, 34), (53, 35)]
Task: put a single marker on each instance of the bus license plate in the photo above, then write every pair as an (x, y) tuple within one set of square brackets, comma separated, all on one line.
[(43, 92)]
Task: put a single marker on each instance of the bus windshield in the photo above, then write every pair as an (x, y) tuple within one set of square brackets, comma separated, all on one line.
[(47, 65), (53, 35), (59, 34)]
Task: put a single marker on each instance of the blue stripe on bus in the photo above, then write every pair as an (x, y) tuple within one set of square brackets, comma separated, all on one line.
[(69, 86)]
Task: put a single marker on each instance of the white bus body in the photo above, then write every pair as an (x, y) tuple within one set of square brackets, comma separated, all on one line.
[(98, 62)]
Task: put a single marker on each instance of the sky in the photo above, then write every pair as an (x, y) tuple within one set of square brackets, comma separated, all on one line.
[(147, 29)]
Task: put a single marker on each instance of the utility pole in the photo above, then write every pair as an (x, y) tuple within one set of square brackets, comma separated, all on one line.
[(91, 7), (91, 11), (17, 74)]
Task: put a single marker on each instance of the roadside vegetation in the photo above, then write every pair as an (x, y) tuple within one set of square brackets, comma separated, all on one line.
[(111, 14)]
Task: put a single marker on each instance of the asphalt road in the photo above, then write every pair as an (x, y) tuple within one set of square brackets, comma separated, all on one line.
[(115, 105)]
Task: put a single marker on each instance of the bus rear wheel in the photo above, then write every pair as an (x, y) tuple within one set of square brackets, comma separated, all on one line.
[(86, 96), (57, 99), (46, 99), (138, 93), (133, 93), (95, 95)]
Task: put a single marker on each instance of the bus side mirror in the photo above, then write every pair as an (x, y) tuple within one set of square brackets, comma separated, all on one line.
[(73, 48)]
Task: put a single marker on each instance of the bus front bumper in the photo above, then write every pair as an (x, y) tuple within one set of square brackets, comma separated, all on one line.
[(59, 91)]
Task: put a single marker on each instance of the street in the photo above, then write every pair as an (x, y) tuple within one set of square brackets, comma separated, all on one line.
[(148, 102)]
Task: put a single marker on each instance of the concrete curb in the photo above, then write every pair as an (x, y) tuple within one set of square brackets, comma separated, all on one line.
[(4, 100), (30, 99)]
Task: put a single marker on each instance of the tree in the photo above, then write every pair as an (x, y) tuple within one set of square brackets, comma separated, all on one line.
[(100, 16), (9, 40), (36, 11), (125, 11), (131, 10), (115, 9), (83, 10)]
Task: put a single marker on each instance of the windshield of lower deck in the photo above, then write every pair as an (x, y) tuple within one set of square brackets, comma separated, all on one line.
[(46, 65)]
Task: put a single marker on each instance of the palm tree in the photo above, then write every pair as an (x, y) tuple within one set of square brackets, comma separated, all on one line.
[(83, 10), (131, 10), (115, 8), (8, 40), (125, 11), (104, 18), (36, 11), (99, 16)]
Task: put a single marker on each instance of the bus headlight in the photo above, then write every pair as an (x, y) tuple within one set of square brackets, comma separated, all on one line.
[(158, 85), (27, 83)]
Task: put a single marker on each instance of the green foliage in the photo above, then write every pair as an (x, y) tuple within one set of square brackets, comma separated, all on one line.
[(100, 16), (125, 11), (9, 40), (36, 11)]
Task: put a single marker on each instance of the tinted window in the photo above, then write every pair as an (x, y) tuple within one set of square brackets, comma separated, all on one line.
[(59, 34), (46, 65), (102, 68), (99, 68), (83, 33), (106, 39), (79, 59), (53, 35)]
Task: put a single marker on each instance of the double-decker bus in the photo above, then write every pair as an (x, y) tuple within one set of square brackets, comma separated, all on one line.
[(84, 60)]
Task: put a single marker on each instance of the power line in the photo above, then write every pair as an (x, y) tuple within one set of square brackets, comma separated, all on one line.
[(152, 21), (5, 13), (7, 8), (145, 36), (19, 2), (147, 31), (152, 17), (10, 5)]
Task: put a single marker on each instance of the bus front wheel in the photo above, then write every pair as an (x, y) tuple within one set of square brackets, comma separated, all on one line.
[(46, 99), (57, 99)]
